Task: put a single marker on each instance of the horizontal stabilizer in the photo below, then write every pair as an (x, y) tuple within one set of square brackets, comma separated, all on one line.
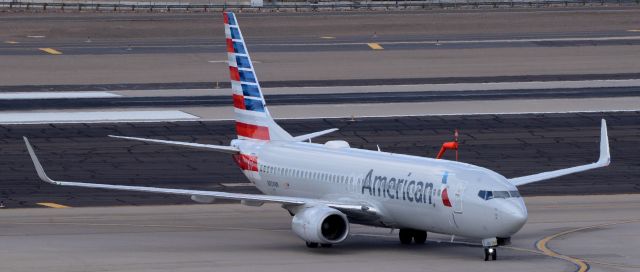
[(310, 136), (209, 147), (603, 160)]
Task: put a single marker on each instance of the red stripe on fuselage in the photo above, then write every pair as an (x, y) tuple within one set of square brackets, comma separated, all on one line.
[(246, 162), (238, 102), (252, 131), (445, 198)]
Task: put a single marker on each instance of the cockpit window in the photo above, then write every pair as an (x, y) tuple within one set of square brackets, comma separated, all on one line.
[(486, 195), (501, 194)]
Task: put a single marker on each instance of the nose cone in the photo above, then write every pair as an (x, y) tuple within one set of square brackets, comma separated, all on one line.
[(514, 216)]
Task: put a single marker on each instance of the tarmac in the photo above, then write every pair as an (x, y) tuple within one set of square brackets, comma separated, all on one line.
[(598, 233)]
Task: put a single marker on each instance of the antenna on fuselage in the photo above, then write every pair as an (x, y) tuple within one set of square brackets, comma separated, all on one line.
[(449, 145)]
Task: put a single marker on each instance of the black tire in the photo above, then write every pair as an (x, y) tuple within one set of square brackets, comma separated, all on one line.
[(486, 254), (494, 256), (419, 236), (405, 235), (326, 245), (312, 245)]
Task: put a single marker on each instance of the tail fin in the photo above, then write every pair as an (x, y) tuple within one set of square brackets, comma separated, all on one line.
[(253, 120)]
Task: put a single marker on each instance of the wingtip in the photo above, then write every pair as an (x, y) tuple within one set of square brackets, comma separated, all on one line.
[(605, 155), (36, 163)]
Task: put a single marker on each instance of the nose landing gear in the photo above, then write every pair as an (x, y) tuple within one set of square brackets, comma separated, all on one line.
[(490, 252), (491, 248)]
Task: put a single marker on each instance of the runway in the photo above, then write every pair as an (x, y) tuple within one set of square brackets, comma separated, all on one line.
[(104, 48), (103, 100), (238, 238)]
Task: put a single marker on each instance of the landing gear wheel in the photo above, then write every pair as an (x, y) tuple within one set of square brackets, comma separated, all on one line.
[(406, 235), (326, 245), (419, 236), (490, 252), (312, 245)]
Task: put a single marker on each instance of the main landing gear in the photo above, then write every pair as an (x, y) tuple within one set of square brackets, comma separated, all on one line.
[(490, 252), (418, 236), (316, 245)]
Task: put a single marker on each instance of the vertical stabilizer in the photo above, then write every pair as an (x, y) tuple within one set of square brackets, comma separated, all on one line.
[(253, 120)]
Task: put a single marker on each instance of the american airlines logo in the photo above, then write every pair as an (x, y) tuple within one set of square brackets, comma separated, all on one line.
[(400, 188)]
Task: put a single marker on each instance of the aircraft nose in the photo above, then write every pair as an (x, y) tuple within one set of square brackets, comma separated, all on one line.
[(515, 215)]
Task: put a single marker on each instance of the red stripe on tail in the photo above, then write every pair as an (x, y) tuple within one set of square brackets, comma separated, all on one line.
[(252, 131), (235, 75), (230, 46), (226, 17), (238, 102)]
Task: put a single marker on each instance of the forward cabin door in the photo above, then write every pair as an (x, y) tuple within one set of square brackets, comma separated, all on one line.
[(457, 197)]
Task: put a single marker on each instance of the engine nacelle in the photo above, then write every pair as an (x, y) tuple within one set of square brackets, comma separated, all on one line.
[(321, 224)]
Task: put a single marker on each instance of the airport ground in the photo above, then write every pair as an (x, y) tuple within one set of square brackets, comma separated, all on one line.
[(526, 87), (601, 231)]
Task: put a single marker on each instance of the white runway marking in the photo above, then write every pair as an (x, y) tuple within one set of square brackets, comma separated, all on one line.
[(92, 116), (55, 95)]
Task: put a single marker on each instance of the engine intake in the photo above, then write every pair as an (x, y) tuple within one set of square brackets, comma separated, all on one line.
[(321, 224)]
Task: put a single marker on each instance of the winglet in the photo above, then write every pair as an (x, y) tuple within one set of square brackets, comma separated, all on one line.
[(605, 156), (43, 176), (604, 160)]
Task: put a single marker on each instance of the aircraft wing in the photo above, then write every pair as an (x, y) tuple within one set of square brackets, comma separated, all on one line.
[(604, 160), (209, 147), (348, 208)]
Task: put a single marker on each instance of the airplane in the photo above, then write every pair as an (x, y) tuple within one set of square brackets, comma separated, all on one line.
[(326, 187)]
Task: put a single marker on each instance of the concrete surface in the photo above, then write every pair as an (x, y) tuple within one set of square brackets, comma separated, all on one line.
[(238, 238)]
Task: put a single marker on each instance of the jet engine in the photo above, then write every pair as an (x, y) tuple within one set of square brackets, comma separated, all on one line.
[(320, 224)]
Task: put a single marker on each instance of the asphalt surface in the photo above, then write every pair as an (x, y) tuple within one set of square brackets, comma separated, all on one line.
[(112, 48), (216, 44), (311, 99), (513, 145), (318, 83), (600, 233)]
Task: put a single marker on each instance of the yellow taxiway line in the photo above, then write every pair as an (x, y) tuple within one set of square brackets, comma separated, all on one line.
[(580, 263), (375, 46), (51, 51), (52, 205)]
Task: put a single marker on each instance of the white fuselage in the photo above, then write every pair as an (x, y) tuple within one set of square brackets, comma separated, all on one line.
[(408, 191)]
